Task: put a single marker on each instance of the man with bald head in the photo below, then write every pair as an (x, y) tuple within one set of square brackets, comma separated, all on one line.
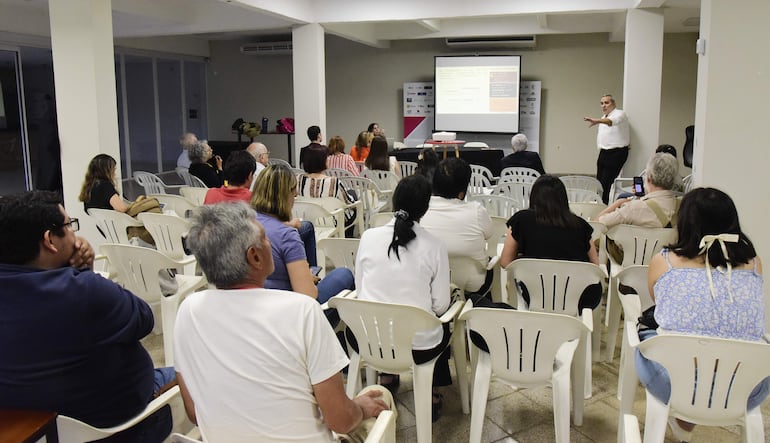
[(185, 141), (261, 155)]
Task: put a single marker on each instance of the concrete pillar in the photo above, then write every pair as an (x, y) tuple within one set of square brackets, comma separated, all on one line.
[(731, 116), (84, 76), (642, 74), (309, 68)]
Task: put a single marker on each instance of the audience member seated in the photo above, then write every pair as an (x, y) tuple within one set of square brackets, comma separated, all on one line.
[(316, 139), (405, 251), (464, 226), (707, 283), (239, 173), (257, 364), (378, 159), (375, 129), (316, 184), (69, 338), (261, 155), (337, 157), (98, 190), (273, 199), (521, 158), (658, 207), (200, 154), (360, 150), (185, 141), (427, 162), (549, 230)]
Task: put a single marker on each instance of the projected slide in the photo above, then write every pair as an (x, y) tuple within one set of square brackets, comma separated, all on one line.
[(477, 94)]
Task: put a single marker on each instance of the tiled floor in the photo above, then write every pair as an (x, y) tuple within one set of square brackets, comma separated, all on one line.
[(526, 415)]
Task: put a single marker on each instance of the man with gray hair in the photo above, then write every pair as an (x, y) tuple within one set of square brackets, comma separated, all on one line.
[(185, 141), (257, 364), (658, 208), (261, 155), (520, 157)]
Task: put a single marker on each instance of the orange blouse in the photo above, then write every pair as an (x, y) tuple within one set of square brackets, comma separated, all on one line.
[(359, 155)]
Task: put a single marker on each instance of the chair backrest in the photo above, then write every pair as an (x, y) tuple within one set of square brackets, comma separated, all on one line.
[(583, 196), (151, 183), (367, 192), (112, 224), (407, 168), (381, 219), (483, 170), (137, 269), (687, 183), (475, 145), (498, 205), (338, 172), (278, 161), (582, 182), (464, 272), (177, 203), (599, 229), (640, 244), (522, 175), (478, 184), (189, 179), (321, 218), (633, 280), (711, 378), (384, 331), (194, 194), (587, 210), (167, 231), (522, 344), (385, 180), (553, 285), (517, 191), (341, 252)]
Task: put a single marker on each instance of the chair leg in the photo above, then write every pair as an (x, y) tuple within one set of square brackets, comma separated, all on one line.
[(423, 399), (371, 376), (753, 428), (482, 376), (588, 386), (578, 380), (354, 374), (561, 388), (656, 420), (461, 364), (596, 335), (613, 316)]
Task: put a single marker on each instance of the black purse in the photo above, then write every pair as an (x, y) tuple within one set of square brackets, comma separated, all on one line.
[(647, 320)]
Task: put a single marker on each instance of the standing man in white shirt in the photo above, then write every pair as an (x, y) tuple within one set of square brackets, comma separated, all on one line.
[(185, 141), (612, 139)]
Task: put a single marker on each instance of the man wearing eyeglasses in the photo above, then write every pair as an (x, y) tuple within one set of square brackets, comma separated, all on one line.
[(69, 338)]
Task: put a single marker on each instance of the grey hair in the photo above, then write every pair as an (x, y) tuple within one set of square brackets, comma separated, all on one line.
[(187, 139), (519, 142), (256, 149), (197, 152), (662, 170), (219, 237)]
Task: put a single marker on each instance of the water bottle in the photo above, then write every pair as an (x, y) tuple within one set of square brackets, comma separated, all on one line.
[(264, 125)]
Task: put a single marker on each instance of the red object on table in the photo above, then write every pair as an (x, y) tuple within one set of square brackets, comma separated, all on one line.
[(17, 426)]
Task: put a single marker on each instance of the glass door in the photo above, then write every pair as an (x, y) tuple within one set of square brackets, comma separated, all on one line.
[(14, 157)]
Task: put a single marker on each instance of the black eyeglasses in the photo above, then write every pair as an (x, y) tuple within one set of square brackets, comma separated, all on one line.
[(73, 224)]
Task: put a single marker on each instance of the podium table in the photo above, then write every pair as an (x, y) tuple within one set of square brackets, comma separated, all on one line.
[(27, 426), (446, 144), (488, 157)]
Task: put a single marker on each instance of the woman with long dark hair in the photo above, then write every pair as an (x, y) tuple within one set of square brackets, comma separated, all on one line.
[(378, 158), (420, 260), (549, 230), (707, 283), (98, 190)]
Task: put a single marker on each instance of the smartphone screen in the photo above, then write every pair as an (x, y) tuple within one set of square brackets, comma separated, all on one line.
[(315, 270), (638, 187)]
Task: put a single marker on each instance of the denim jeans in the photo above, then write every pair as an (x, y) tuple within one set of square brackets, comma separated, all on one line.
[(307, 235), (335, 281)]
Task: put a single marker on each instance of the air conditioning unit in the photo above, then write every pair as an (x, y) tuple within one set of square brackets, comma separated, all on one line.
[(511, 41), (267, 48)]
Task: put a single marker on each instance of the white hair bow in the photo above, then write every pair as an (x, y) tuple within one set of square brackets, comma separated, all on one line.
[(705, 243)]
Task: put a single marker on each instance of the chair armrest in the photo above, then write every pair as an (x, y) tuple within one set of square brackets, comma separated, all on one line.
[(767, 338), (493, 262), (384, 425), (153, 406), (466, 308), (587, 316), (452, 312), (631, 334), (345, 293)]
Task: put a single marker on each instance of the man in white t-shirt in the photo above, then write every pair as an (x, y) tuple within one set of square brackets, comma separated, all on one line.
[(464, 226), (261, 155), (256, 364), (612, 139)]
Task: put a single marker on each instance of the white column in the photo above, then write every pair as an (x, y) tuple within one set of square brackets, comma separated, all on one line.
[(309, 68), (86, 106), (731, 111), (642, 83)]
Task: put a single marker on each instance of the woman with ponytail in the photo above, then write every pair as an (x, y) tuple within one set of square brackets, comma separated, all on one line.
[(403, 248)]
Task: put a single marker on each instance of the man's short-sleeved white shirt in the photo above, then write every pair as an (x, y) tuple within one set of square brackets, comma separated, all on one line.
[(183, 161), (250, 358), (616, 136)]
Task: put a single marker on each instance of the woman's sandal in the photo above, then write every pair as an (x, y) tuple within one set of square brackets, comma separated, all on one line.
[(438, 404)]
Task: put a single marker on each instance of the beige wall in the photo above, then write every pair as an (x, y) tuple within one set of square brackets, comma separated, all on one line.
[(364, 84)]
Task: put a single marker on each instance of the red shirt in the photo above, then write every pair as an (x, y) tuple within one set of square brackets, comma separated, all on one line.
[(225, 194)]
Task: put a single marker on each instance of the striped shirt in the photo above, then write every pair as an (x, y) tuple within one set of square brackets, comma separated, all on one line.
[(342, 161)]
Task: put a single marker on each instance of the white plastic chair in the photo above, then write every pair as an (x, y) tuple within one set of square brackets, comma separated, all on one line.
[(384, 332), (407, 168), (113, 224), (639, 245), (278, 161), (556, 286), (583, 196), (168, 231), (687, 183), (711, 380), (177, 203), (326, 223), (517, 191), (338, 172), (386, 181), (189, 179), (499, 205), (152, 184), (475, 145), (76, 431), (196, 195), (341, 252), (582, 182), (369, 194), (137, 270), (479, 184), (587, 210), (464, 272), (529, 349), (518, 175), (483, 170), (381, 219)]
